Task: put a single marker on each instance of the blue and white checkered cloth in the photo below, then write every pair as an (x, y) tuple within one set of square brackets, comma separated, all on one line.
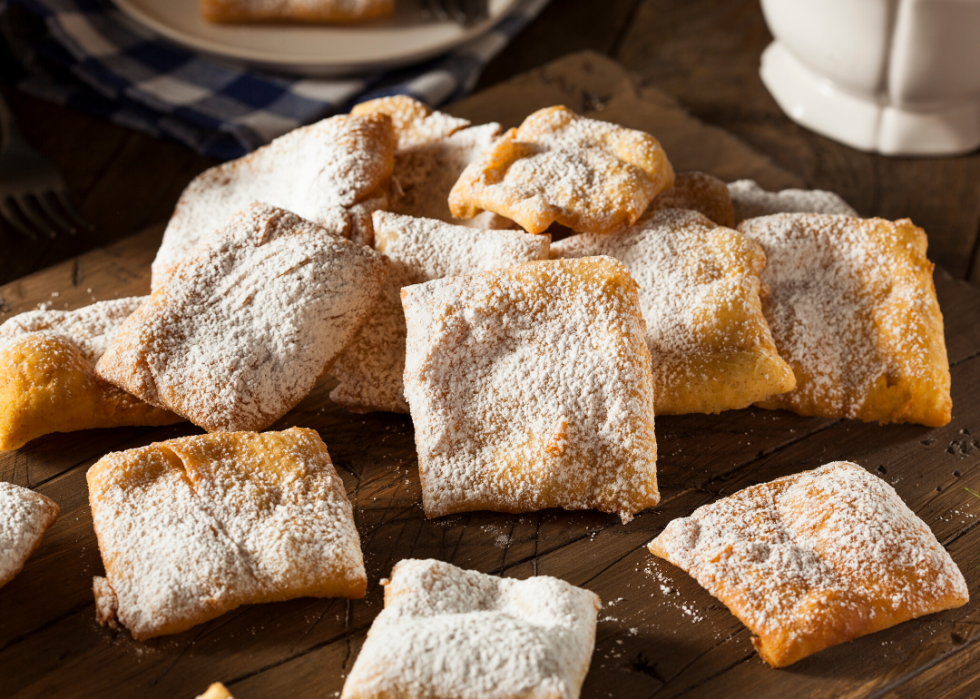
[(94, 58)]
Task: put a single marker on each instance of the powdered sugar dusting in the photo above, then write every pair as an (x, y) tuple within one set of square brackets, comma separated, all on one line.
[(750, 200), (815, 559), (370, 369), (334, 173), (448, 632), (89, 329), (530, 387), (248, 322), (416, 124), (426, 174), (853, 310), (699, 291), (191, 528), (588, 175), (24, 517)]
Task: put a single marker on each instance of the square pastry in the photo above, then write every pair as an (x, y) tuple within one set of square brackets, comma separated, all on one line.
[(47, 374), (530, 387), (853, 309), (699, 290), (589, 175), (371, 367), (815, 559), (449, 633), (24, 517), (191, 528), (334, 172), (248, 322)]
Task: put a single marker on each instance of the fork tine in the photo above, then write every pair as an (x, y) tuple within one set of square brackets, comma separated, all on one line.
[(49, 204), (70, 209), (13, 217), (438, 9), (453, 10), (32, 210)]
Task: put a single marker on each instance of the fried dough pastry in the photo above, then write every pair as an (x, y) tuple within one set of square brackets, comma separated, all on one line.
[(334, 173), (530, 387), (90, 328), (47, 375), (699, 291), (415, 123), (750, 201), (194, 527), (370, 369), (853, 309), (433, 150), (697, 191), (24, 517), (449, 633), (216, 691), (588, 175), (317, 11), (815, 559), (248, 322)]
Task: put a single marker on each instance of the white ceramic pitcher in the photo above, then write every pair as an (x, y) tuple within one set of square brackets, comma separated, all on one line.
[(899, 77)]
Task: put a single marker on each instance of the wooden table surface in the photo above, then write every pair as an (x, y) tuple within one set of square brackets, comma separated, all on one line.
[(659, 633)]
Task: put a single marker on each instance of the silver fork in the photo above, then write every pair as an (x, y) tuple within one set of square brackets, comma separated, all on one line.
[(33, 196), (465, 12)]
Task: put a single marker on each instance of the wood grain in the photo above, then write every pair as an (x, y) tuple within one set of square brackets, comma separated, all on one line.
[(659, 634)]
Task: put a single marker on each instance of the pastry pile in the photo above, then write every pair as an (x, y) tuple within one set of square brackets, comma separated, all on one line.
[(410, 254), (317, 11)]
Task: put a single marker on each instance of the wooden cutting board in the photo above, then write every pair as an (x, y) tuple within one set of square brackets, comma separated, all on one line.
[(659, 633)]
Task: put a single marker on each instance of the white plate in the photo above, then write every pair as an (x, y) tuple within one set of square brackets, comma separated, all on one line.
[(311, 49)]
